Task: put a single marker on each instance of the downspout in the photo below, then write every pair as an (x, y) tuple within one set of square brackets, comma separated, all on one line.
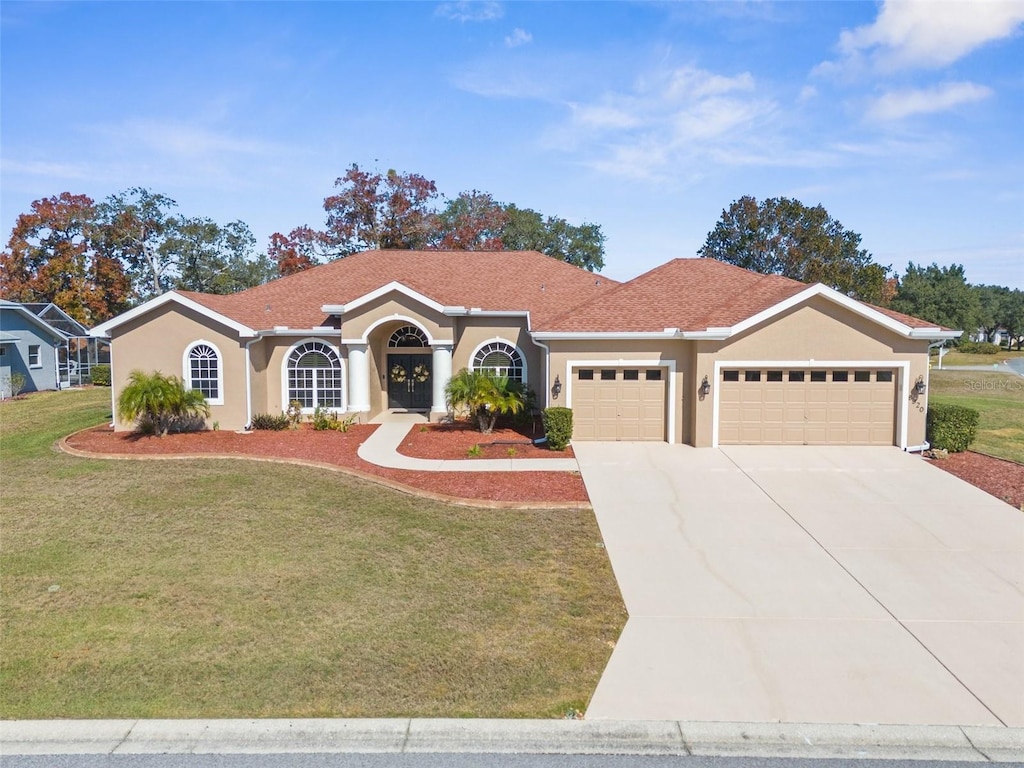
[(927, 384), (547, 378), (248, 382)]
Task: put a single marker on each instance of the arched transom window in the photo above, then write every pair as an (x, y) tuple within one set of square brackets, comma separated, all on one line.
[(314, 376), (203, 371), (501, 359), (408, 336)]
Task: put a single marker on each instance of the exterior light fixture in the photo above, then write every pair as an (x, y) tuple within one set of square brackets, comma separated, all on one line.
[(705, 388), (556, 388), (919, 386)]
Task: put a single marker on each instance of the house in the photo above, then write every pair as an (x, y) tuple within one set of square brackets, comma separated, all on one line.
[(79, 352), (28, 351), (694, 351)]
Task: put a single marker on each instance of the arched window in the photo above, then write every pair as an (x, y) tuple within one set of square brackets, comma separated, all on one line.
[(314, 376), (408, 336), (203, 371), (501, 359)]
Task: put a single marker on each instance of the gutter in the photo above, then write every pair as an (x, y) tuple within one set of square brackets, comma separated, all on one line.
[(248, 382), (547, 368)]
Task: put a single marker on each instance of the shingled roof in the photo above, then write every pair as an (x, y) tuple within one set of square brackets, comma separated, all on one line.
[(488, 280), (689, 295)]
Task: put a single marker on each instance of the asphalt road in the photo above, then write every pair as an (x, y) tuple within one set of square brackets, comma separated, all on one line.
[(449, 760)]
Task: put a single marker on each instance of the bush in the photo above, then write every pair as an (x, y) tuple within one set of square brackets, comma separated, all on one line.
[(978, 348), (271, 422), (324, 419), (951, 426), (160, 404), (100, 375), (558, 427)]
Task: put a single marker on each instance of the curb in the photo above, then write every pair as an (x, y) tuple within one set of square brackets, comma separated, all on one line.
[(62, 445), (566, 737)]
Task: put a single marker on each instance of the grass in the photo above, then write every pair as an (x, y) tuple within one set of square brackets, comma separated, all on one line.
[(998, 398), (953, 358), (235, 589)]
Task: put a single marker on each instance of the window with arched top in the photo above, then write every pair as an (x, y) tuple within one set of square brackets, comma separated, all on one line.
[(501, 359), (408, 336), (204, 371), (314, 376)]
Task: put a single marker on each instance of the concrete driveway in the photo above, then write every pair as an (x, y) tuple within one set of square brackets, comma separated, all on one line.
[(807, 584)]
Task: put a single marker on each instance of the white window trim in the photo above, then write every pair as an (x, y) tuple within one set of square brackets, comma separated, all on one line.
[(903, 385), (344, 374), (39, 356), (186, 368), (669, 365), (500, 340)]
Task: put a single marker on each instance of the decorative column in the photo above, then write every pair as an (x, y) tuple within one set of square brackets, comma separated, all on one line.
[(442, 372), (358, 378)]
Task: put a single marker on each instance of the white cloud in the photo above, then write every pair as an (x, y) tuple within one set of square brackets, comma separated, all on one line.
[(46, 169), (928, 34), (470, 10), (897, 105), (517, 38), (186, 140)]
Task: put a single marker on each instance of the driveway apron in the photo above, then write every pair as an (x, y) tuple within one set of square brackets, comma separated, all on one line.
[(807, 584)]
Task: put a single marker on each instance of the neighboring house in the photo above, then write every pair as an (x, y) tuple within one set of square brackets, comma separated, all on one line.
[(998, 336), (694, 351), (79, 352), (29, 347)]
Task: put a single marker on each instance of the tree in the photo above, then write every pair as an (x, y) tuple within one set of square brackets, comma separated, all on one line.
[(473, 221), (527, 230), (991, 300), (940, 295), (375, 210), (133, 227), (51, 256), (485, 396), (213, 259), (1011, 316), (157, 402), (297, 251), (781, 236)]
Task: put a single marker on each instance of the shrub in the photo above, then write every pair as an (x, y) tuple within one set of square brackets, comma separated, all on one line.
[(951, 426), (324, 419), (16, 383), (558, 427), (485, 396), (100, 375), (159, 403), (978, 348), (271, 422)]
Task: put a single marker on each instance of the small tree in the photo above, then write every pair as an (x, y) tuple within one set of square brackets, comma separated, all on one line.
[(485, 396), (155, 402)]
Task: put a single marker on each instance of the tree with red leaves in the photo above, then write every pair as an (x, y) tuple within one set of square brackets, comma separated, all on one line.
[(473, 221), (52, 256), (296, 251), (375, 210)]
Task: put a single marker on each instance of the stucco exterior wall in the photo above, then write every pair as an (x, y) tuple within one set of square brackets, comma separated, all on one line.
[(15, 357), (395, 307), (274, 351), (157, 342), (475, 331), (818, 331)]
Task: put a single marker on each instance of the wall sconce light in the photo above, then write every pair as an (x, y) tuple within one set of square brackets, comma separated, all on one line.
[(556, 388), (919, 386), (705, 388)]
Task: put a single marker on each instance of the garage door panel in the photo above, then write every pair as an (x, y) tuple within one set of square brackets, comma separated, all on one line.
[(628, 404), (842, 406)]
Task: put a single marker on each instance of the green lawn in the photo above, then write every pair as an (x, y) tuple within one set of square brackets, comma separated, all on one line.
[(954, 358), (998, 397), (236, 589)]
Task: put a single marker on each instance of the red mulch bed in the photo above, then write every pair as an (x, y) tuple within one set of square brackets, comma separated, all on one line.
[(1003, 479), (452, 441), (339, 449)]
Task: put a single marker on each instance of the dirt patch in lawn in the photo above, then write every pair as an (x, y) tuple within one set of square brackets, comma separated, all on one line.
[(1003, 479), (455, 441), (339, 449)]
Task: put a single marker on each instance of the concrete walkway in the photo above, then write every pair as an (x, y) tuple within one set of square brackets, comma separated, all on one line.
[(807, 584), (381, 448), (552, 737)]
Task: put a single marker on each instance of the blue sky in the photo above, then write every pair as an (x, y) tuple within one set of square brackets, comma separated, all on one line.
[(903, 119)]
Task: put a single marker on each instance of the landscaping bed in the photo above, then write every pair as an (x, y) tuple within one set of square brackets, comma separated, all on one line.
[(457, 440), (340, 449), (999, 477)]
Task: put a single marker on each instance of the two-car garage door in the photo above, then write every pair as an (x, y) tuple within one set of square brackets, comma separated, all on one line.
[(619, 403), (835, 406)]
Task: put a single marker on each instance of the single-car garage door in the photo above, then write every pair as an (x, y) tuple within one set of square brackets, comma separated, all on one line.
[(841, 406), (618, 403)]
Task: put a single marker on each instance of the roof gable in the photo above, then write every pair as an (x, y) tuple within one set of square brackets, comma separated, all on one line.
[(33, 320)]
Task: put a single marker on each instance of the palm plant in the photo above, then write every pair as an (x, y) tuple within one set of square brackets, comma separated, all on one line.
[(155, 402), (485, 395)]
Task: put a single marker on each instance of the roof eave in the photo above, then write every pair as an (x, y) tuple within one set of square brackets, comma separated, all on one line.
[(102, 331)]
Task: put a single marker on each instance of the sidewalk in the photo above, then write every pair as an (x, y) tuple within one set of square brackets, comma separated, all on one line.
[(567, 737), (381, 448)]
